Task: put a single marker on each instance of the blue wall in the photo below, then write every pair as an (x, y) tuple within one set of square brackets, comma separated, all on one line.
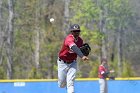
[(92, 86)]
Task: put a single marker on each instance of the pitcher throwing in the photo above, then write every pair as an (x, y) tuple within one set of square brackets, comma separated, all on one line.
[(67, 65)]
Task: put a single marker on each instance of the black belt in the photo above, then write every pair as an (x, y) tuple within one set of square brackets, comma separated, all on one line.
[(65, 61)]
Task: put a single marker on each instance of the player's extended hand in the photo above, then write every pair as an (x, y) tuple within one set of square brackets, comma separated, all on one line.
[(112, 71), (84, 58)]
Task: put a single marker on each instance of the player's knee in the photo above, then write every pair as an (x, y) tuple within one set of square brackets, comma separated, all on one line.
[(61, 85)]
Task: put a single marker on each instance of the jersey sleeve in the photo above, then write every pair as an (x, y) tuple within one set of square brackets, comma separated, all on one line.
[(69, 41), (101, 70)]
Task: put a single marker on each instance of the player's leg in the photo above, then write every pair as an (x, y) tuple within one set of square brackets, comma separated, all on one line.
[(61, 73), (106, 87), (102, 85), (71, 74)]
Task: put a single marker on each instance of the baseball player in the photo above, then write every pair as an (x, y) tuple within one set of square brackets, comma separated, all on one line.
[(103, 74), (67, 65)]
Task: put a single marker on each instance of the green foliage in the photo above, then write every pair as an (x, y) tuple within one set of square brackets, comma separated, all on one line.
[(91, 36), (85, 11), (113, 66), (34, 74), (94, 69), (2, 73), (127, 70), (119, 14)]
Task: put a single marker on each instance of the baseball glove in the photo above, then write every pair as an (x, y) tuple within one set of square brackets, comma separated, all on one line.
[(85, 48), (112, 78)]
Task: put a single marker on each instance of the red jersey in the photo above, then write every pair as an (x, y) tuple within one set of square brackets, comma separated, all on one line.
[(102, 72), (66, 53)]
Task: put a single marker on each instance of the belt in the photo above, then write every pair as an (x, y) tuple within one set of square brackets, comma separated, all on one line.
[(65, 61)]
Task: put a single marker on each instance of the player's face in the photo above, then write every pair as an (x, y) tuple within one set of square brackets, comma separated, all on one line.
[(76, 33), (105, 62)]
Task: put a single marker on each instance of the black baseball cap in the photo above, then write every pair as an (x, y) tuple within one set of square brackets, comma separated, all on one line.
[(75, 28)]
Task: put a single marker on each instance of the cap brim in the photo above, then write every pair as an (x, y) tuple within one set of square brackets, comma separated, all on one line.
[(75, 30)]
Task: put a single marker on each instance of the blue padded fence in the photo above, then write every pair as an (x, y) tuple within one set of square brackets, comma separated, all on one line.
[(81, 86)]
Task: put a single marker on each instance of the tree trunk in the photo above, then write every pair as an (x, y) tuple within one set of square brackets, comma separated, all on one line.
[(0, 20), (37, 47), (103, 28), (113, 54), (1, 32), (9, 44), (37, 36), (120, 56), (66, 16)]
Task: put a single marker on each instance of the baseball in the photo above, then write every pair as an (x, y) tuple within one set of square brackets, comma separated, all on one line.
[(51, 20)]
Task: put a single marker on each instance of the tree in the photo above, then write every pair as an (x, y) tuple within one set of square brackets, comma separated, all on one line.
[(119, 20), (10, 40)]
